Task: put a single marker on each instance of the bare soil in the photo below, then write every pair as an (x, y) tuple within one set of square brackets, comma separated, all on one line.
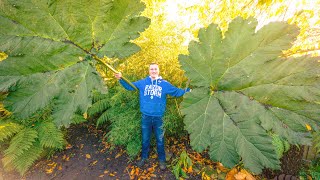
[(87, 157)]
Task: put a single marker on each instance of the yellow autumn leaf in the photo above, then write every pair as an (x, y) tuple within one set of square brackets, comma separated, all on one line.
[(67, 158), (81, 146), (308, 127), (118, 155), (137, 172), (88, 156), (52, 164), (3, 56), (231, 173), (154, 156), (132, 172), (49, 171), (240, 176), (85, 115), (95, 162), (249, 176), (204, 176), (69, 146), (151, 169), (221, 168)]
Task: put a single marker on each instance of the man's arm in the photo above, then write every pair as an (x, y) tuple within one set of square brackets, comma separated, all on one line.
[(124, 83), (176, 92)]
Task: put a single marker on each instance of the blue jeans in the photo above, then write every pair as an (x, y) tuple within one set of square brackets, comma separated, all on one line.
[(149, 124)]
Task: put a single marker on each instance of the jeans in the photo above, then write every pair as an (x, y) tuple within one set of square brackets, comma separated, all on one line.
[(149, 124)]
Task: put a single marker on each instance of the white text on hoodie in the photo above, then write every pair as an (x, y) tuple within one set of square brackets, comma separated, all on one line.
[(153, 90)]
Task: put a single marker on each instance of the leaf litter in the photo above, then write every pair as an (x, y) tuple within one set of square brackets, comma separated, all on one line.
[(86, 157)]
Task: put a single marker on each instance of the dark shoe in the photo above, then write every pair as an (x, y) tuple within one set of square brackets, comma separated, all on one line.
[(141, 162), (163, 165)]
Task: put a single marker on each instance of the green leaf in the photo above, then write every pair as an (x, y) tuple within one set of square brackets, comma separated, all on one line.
[(50, 136), (76, 92), (25, 160), (116, 27), (77, 119), (99, 107), (243, 88), (102, 119), (7, 81), (316, 141), (46, 42), (8, 129), (69, 89), (198, 65), (225, 122), (18, 144)]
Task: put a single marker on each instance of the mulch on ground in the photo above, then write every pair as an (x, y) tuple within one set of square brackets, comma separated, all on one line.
[(87, 157)]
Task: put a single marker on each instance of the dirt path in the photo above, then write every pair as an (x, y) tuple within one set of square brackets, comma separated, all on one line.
[(87, 158)]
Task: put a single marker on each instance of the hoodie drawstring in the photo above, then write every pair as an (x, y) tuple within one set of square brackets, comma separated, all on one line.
[(153, 88)]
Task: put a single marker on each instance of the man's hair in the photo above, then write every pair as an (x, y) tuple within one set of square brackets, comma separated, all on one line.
[(153, 63)]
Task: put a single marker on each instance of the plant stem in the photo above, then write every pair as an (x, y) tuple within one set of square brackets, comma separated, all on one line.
[(113, 70), (100, 60)]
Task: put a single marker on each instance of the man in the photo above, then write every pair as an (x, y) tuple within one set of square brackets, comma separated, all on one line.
[(153, 91)]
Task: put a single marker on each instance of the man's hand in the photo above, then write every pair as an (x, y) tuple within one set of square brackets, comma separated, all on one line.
[(118, 75)]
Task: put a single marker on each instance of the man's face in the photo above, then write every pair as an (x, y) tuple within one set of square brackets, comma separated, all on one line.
[(154, 71)]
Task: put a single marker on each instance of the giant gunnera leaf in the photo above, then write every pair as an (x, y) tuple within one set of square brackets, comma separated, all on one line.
[(48, 44), (244, 87)]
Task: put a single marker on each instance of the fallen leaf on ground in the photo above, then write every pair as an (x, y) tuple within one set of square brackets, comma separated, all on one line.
[(137, 171), (69, 146), (249, 176), (240, 176), (94, 162), (81, 146), (132, 172), (49, 171), (88, 156), (52, 164), (231, 173), (65, 157), (118, 155), (222, 168), (204, 176), (151, 169)]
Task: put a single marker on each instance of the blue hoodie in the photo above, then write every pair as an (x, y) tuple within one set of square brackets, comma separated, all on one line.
[(153, 94)]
